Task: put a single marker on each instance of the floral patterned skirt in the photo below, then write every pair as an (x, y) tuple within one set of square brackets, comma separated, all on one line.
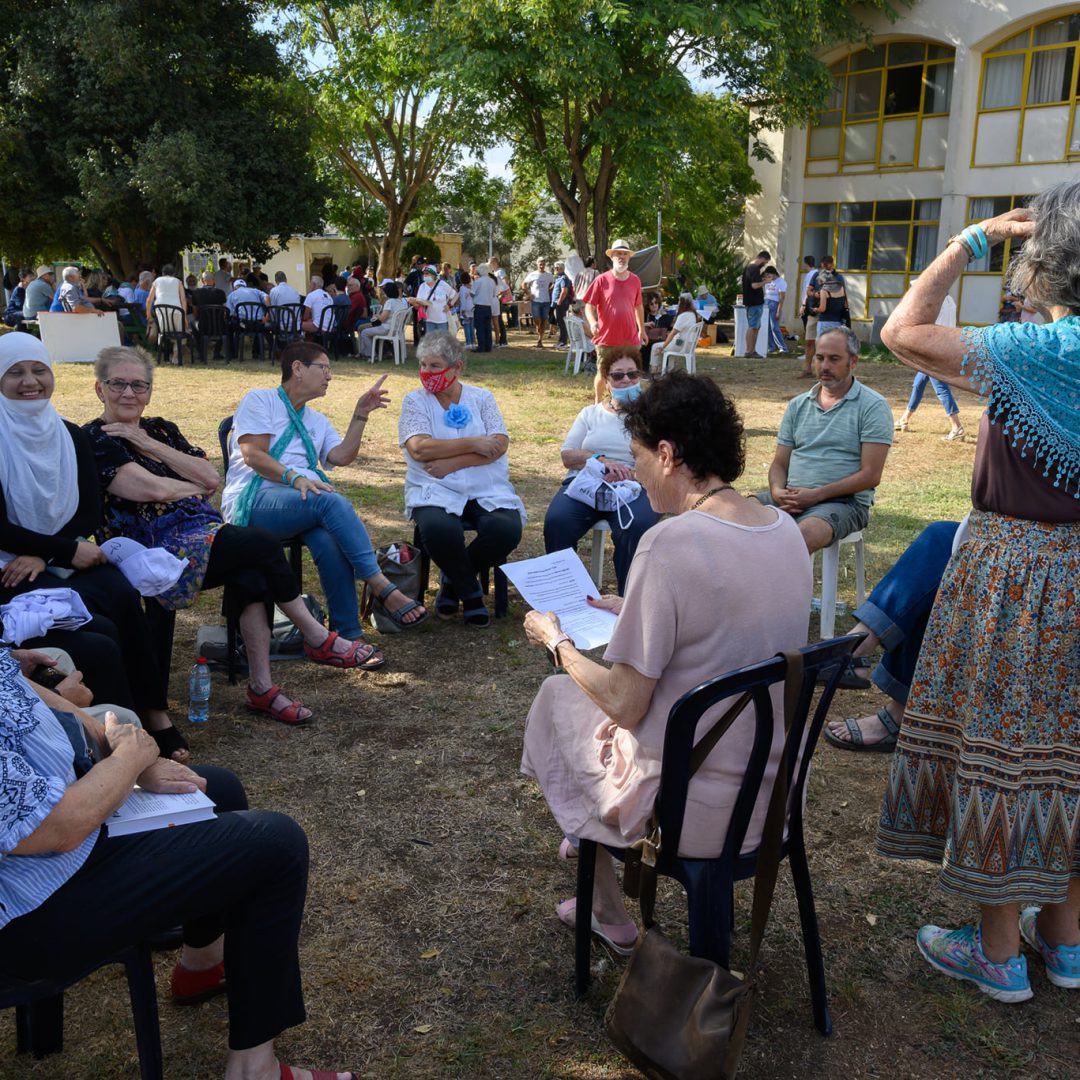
[(985, 778)]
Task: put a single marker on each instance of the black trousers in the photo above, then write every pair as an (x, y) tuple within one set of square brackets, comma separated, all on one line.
[(482, 325), (243, 874), (498, 532), (250, 564), (118, 612), (560, 318)]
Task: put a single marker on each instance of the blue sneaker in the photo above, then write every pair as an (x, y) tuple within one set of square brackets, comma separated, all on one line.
[(958, 954), (1062, 963)]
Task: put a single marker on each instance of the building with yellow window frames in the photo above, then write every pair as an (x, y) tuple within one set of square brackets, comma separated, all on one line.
[(959, 111)]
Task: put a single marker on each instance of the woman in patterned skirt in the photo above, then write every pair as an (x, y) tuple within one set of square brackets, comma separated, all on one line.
[(986, 774)]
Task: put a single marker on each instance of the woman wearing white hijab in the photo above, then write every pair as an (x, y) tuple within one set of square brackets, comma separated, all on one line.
[(49, 504)]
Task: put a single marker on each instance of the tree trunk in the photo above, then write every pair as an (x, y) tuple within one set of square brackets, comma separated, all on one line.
[(600, 226), (390, 248)]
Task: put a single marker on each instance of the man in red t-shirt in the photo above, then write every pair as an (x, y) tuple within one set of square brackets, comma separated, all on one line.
[(613, 307)]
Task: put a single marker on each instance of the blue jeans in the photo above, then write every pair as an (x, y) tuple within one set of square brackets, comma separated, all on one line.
[(918, 388), (482, 320), (568, 520), (776, 337), (467, 326), (435, 327), (334, 535), (899, 607)]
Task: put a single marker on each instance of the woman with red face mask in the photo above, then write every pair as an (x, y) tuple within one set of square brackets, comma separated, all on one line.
[(457, 477)]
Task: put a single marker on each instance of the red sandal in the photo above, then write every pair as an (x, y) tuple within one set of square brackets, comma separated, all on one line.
[(361, 655), (316, 1074), (286, 714), (191, 987)]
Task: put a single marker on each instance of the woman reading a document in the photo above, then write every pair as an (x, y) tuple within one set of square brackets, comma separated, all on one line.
[(720, 584), (70, 895)]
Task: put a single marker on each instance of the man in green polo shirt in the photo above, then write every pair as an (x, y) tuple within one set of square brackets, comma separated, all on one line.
[(831, 447)]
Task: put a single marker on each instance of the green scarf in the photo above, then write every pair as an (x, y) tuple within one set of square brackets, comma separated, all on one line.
[(296, 429)]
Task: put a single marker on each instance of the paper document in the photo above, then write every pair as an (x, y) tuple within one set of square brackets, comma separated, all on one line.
[(560, 583), (142, 811)]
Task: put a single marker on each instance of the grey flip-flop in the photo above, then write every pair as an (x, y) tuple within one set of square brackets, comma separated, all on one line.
[(858, 744)]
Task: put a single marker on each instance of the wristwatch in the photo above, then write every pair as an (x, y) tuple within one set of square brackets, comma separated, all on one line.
[(553, 647)]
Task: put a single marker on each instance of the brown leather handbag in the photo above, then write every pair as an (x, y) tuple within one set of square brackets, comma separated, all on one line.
[(679, 1017)]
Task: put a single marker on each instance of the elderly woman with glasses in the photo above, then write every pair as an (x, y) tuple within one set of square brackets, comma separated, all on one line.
[(275, 480), (50, 504), (985, 778), (599, 432), (457, 477), (156, 487)]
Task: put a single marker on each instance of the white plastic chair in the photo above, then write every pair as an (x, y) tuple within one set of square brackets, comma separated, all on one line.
[(830, 571), (579, 350), (396, 337), (684, 345), (599, 529)]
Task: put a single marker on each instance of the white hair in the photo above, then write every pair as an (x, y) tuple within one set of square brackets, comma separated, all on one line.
[(69, 273), (1046, 270)]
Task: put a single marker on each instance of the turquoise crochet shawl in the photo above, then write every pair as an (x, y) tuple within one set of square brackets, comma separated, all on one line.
[(1031, 375)]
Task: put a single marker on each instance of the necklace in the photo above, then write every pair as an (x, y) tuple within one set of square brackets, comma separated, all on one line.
[(709, 494)]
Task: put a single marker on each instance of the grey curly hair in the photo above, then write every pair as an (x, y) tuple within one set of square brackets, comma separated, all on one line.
[(1046, 270), (442, 345)]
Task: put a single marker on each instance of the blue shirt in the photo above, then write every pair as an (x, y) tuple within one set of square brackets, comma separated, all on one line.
[(247, 294), (36, 767)]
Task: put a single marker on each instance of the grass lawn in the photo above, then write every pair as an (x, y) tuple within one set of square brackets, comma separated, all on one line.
[(430, 947)]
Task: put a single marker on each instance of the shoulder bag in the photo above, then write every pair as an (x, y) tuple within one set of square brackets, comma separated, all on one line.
[(679, 1017)]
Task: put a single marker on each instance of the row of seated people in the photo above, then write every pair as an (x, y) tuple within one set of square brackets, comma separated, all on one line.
[(126, 474)]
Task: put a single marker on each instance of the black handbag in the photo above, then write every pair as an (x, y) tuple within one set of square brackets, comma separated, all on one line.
[(679, 1017)]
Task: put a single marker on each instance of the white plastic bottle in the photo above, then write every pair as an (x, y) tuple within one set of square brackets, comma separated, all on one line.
[(199, 692)]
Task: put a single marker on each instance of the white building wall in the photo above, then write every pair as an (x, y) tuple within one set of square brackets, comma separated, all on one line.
[(971, 27)]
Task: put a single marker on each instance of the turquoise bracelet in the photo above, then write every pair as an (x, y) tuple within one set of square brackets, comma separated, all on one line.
[(977, 241), (284, 476)]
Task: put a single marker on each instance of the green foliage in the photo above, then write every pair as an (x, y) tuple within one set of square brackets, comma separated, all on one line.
[(421, 245), (140, 127), (392, 116), (590, 92)]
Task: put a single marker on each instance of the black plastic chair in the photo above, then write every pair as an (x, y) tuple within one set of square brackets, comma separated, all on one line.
[(709, 883), (173, 333), (293, 547), (39, 1009), (330, 332), (250, 324), (285, 326), (213, 325), (502, 598)]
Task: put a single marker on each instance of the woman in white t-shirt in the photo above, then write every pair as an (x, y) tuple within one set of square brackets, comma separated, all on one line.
[(168, 290), (598, 432), (275, 481), (436, 298), (686, 318), (457, 477)]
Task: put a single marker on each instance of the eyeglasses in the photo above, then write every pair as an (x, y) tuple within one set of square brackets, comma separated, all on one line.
[(625, 376), (136, 386), (325, 367)]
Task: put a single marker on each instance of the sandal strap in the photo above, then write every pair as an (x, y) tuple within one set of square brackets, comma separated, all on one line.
[(887, 722), (326, 649), (854, 730), (263, 700), (381, 596)]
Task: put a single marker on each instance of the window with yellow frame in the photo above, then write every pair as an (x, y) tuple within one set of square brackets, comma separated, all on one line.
[(886, 242), (888, 110), (1028, 97)]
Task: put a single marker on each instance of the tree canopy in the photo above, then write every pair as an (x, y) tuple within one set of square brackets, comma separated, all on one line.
[(140, 127), (392, 116), (593, 91)]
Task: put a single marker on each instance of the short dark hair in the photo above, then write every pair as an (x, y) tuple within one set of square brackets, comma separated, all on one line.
[(763, 255), (770, 269), (222, 262), (168, 270), (619, 352), (809, 260), (391, 290), (590, 261), (828, 259), (692, 413), (466, 279), (307, 352)]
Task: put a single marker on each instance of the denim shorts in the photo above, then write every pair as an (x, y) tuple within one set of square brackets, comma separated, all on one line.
[(541, 310), (845, 515), (753, 316)]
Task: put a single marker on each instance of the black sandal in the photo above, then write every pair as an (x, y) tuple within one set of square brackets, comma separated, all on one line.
[(169, 740), (477, 617), (446, 603)]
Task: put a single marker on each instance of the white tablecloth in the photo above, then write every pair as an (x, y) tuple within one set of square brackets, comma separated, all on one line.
[(740, 333)]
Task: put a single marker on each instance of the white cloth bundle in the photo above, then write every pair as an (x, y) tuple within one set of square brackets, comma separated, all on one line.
[(31, 614), (590, 487), (151, 571)]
